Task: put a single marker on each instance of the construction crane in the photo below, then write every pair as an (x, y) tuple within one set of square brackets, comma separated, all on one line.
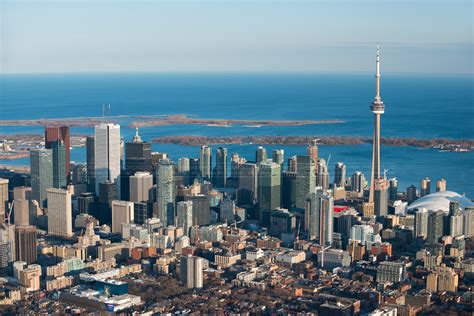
[(298, 231), (10, 209)]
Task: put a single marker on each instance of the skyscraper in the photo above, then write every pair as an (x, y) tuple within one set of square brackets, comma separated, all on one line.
[(278, 156), (107, 154), (340, 174), (319, 216), (393, 189), (435, 226), (381, 197), (25, 244), (305, 179), (185, 215), (269, 186), (260, 154), (411, 193), (59, 213), (59, 164), (122, 213), (3, 197), (191, 271), (378, 108), (138, 155), (421, 223), (357, 183), (312, 151), (322, 174), (90, 154), (41, 166), (205, 162), (425, 186), (165, 192), (201, 210), (247, 193), (441, 185), (140, 185), (220, 171), (54, 133)]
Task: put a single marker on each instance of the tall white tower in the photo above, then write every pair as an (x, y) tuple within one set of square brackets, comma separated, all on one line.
[(377, 108), (107, 154)]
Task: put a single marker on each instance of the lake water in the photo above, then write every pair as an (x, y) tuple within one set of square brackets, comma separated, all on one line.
[(416, 106)]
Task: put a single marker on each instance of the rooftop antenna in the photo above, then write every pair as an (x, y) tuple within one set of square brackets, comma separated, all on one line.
[(109, 110), (329, 158), (385, 174)]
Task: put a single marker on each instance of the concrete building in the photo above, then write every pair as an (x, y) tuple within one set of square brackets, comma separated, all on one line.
[(3, 197), (25, 244), (435, 226), (90, 161), (381, 197), (425, 186), (185, 215), (389, 271), (201, 209), (442, 279), (122, 213), (191, 271), (261, 154), (421, 223), (278, 156), (140, 185), (59, 213), (440, 185), (334, 258)]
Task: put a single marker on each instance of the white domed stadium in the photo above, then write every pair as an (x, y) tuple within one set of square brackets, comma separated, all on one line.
[(440, 201)]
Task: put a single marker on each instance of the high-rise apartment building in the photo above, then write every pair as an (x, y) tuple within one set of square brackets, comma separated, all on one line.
[(393, 189), (25, 244), (312, 152), (41, 170), (340, 174), (59, 213), (269, 185), (319, 216), (3, 197), (220, 171), (441, 185), (205, 162), (165, 192), (411, 193), (305, 179), (122, 213), (358, 183), (185, 215), (322, 174), (201, 209), (435, 226), (191, 271), (52, 134), (261, 154), (140, 186), (381, 197), (425, 186), (278, 156), (389, 271), (107, 154), (421, 223)]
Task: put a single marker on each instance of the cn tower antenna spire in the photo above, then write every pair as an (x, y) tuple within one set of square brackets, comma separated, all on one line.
[(377, 74)]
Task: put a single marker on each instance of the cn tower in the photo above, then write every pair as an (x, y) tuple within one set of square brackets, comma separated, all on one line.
[(377, 108)]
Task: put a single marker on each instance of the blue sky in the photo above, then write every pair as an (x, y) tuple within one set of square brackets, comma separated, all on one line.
[(424, 36)]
